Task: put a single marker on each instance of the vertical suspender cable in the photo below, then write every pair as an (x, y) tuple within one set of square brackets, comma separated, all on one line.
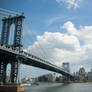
[(40, 45)]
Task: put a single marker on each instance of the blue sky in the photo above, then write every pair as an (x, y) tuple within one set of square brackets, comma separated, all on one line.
[(39, 12), (54, 16)]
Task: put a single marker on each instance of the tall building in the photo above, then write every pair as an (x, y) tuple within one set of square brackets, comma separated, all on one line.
[(52, 77), (82, 72), (91, 70), (66, 67), (90, 75)]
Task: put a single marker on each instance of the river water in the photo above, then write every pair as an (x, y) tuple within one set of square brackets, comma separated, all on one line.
[(58, 87)]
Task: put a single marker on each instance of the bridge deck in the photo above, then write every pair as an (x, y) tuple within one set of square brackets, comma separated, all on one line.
[(31, 60)]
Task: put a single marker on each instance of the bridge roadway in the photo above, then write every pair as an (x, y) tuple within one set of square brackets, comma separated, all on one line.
[(31, 60)]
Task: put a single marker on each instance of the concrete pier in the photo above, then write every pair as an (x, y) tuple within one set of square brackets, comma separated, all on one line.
[(12, 87)]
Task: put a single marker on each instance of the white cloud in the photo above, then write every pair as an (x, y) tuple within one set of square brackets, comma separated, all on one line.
[(84, 33), (58, 47), (70, 3), (70, 28)]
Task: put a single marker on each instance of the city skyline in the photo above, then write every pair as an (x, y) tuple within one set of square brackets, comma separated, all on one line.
[(62, 28)]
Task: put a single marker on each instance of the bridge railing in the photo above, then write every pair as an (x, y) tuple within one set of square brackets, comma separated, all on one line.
[(41, 60), (9, 48)]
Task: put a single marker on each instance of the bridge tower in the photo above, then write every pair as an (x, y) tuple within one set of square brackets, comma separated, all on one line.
[(65, 66), (17, 44), (7, 22)]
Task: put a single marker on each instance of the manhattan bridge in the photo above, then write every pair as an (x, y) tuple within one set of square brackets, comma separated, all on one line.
[(13, 54)]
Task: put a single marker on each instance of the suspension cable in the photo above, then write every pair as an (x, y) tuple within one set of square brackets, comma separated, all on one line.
[(35, 52), (34, 40), (8, 11), (45, 52), (5, 14)]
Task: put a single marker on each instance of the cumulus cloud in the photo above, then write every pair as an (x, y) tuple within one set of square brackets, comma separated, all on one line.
[(84, 33), (70, 28), (70, 3), (60, 47)]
